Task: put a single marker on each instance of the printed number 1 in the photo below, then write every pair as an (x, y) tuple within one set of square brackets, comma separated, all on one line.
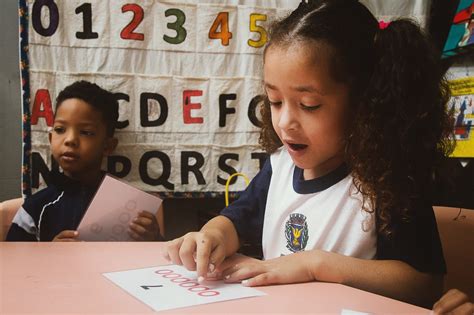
[(87, 33), (254, 17), (224, 35)]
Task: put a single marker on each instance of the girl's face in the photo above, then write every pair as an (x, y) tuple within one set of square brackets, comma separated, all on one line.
[(308, 107)]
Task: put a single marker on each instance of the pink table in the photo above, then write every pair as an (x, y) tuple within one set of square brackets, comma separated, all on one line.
[(65, 278)]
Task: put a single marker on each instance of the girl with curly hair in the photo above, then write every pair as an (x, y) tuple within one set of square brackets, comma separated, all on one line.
[(354, 120)]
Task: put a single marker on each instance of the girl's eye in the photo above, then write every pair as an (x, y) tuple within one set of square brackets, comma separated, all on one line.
[(87, 133), (274, 103), (58, 130), (310, 108)]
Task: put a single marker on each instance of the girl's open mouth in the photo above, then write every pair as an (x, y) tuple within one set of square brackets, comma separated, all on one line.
[(297, 146)]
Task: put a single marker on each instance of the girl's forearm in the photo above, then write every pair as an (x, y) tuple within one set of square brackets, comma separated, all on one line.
[(391, 278)]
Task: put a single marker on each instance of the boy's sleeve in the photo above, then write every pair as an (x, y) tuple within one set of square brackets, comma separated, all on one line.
[(247, 212), (416, 242), (23, 227)]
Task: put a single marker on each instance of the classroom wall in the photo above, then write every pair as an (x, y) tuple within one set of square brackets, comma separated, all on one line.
[(455, 187), (10, 109)]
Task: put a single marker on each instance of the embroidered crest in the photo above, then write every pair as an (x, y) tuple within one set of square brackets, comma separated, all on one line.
[(296, 232)]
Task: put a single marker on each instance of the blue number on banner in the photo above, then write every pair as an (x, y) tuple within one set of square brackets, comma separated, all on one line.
[(87, 33), (128, 31), (53, 17), (176, 26)]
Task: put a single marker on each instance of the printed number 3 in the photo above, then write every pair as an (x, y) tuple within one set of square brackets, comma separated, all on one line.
[(177, 26)]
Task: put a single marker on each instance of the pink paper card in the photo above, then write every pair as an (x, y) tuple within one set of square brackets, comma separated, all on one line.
[(113, 207)]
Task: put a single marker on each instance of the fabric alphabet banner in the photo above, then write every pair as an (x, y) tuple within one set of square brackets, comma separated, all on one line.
[(187, 75)]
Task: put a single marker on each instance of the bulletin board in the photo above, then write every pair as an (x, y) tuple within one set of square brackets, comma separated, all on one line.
[(187, 75), (461, 104)]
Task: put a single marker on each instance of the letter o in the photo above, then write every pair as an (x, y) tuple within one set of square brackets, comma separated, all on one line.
[(209, 293), (176, 280), (163, 271), (193, 284), (192, 289)]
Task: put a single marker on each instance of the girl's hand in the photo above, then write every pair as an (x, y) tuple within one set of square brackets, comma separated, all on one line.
[(201, 251), (454, 302), (144, 227), (66, 236), (253, 272)]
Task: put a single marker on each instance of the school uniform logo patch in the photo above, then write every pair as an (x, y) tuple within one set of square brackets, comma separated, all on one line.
[(296, 232)]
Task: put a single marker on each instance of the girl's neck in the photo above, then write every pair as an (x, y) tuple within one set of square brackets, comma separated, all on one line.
[(324, 168)]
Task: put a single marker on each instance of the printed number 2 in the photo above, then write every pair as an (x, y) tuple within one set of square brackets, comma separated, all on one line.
[(224, 35), (128, 31), (254, 17)]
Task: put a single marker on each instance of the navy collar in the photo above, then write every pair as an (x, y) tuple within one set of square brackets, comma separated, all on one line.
[(64, 182), (302, 186)]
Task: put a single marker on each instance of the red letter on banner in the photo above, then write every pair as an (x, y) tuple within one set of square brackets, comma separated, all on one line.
[(188, 106), (42, 100)]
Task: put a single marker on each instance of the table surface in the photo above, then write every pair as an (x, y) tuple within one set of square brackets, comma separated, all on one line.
[(62, 278)]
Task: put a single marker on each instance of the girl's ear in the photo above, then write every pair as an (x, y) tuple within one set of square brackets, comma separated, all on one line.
[(110, 145)]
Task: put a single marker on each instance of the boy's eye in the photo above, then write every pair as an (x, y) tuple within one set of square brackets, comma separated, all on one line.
[(310, 108), (87, 132), (59, 130)]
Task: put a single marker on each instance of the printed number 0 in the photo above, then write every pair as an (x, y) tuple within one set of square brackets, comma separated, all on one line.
[(254, 17), (53, 17), (128, 31), (176, 26)]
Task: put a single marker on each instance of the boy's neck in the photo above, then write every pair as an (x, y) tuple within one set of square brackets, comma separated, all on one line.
[(89, 179)]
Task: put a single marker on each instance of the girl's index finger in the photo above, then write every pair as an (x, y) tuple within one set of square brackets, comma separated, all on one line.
[(203, 253)]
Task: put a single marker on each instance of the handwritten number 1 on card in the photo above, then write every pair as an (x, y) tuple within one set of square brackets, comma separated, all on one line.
[(146, 287)]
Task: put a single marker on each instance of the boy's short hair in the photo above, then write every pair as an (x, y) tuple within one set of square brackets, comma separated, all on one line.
[(100, 99)]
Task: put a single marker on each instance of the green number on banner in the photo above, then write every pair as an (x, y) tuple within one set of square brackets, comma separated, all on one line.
[(128, 31), (87, 33), (176, 26), (53, 17), (254, 17), (224, 35)]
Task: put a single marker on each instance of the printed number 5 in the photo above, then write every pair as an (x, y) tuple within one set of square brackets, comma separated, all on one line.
[(254, 17)]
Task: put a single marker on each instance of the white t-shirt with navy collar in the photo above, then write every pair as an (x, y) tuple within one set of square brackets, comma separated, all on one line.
[(280, 213), (323, 213)]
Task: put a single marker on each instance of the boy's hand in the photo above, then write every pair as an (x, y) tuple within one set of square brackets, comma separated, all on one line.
[(454, 302), (66, 236), (145, 227), (201, 251)]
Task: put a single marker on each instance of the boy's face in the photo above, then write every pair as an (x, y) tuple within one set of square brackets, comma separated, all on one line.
[(79, 139), (308, 107)]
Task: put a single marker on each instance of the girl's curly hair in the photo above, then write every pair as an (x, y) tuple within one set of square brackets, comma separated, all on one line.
[(399, 127)]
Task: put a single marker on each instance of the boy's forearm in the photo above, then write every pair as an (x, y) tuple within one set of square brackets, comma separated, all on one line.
[(222, 226), (391, 278)]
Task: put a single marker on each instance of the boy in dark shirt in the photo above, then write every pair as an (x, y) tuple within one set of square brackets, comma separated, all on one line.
[(82, 136)]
